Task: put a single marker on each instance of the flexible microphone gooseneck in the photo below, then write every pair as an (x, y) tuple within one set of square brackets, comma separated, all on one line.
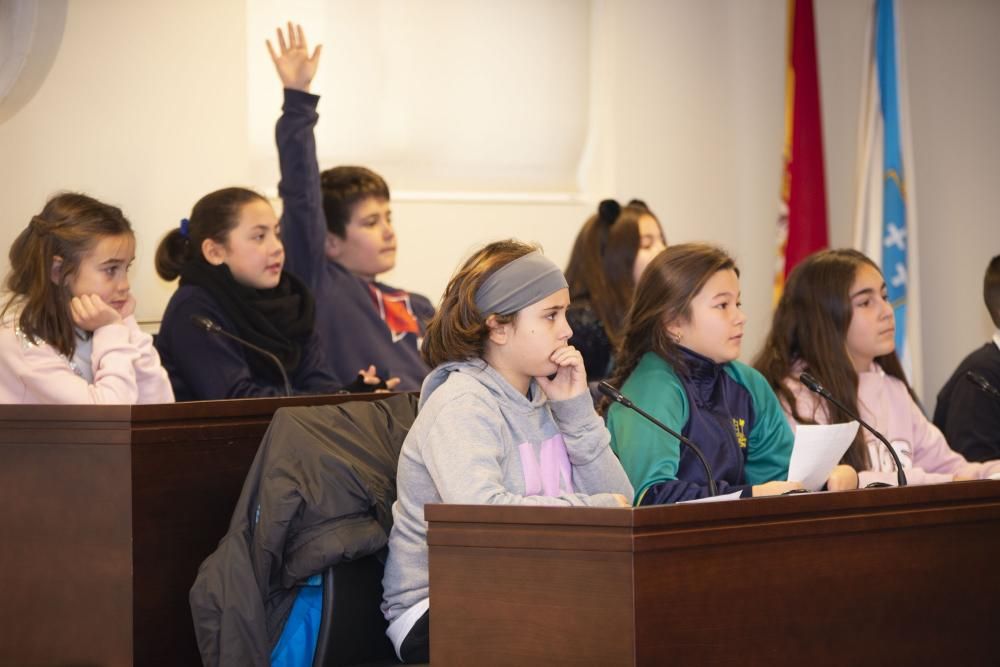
[(619, 397), (210, 326), (983, 384), (813, 385)]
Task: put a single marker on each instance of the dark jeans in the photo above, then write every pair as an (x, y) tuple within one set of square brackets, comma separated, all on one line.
[(416, 646)]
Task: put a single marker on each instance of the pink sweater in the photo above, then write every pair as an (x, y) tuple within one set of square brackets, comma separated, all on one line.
[(885, 404), (124, 366)]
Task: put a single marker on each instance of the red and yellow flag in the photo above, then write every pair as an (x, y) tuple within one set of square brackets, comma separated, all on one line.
[(802, 228)]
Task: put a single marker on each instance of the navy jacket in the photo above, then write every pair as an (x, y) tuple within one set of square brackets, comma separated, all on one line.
[(205, 366), (728, 409), (352, 332)]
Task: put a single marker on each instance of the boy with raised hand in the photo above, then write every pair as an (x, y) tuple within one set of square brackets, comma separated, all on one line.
[(338, 235)]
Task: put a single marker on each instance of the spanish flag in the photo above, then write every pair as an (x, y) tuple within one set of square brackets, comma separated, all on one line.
[(802, 228)]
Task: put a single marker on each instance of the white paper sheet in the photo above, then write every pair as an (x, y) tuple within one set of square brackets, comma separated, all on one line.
[(713, 499), (817, 451)]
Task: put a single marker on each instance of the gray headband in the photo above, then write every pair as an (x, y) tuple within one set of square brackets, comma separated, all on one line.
[(526, 280)]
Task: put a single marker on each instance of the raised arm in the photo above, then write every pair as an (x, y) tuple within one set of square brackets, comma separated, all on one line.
[(303, 223)]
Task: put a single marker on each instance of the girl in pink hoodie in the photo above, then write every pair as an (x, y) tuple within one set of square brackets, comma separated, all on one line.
[(67, 327), (835, 322)]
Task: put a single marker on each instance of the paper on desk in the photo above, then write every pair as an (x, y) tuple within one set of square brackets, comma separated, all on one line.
[(817, 451), (712, 499)]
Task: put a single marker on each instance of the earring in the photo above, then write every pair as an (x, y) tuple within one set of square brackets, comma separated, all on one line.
[(677, 337)]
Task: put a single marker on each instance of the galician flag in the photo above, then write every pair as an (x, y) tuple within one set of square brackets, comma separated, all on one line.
[(885, 219)]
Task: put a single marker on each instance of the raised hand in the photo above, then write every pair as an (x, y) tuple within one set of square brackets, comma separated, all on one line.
[(571, 377), (296, 68), (90, 312)]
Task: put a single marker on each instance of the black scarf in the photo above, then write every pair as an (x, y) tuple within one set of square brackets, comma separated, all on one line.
[(280, 319)]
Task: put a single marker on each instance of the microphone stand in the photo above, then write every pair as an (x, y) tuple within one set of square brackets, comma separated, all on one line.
[(211, 327), (813, 385)]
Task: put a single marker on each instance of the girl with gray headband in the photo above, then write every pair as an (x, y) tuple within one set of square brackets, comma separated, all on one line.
[(505, 418)]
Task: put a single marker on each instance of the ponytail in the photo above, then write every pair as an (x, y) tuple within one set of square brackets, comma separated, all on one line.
[(172, 253), (213, 217)]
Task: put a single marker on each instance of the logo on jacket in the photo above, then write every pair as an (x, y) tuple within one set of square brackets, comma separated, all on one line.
[(395, 310), (741, 437)]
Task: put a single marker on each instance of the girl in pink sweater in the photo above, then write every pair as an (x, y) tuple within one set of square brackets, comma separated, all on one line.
[(67, 329), (835, 322)]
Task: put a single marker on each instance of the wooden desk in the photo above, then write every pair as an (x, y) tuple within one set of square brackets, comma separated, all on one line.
[(882, 576), (106, 512)]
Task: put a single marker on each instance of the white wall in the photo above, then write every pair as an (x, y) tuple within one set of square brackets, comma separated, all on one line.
[(145, 106), (954, 56)]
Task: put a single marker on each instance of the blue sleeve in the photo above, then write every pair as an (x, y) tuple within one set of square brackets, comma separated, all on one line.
[(303, 223), (769, 445), (314, 375), (209, 365), (673, 491)]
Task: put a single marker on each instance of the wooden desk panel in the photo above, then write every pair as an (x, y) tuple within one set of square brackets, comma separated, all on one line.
[(886, 576), (106, 512), (572, 605), (65, 569)]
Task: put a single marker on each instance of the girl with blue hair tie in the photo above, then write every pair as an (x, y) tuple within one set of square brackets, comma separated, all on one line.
[(505, 418), (230, 261)]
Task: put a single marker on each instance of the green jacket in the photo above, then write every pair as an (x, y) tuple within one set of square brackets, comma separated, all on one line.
[(755, 449)]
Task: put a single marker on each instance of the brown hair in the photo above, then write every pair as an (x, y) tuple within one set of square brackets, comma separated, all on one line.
[(664, 294), (600, 266), (343, 188), (810, 327), (991, 290), (213, 217), (69, 227), (458, 331)]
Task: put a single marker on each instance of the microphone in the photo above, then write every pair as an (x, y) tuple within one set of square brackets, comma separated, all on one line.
[(983, 384), (813, 385), (619, 397), (210, 326)]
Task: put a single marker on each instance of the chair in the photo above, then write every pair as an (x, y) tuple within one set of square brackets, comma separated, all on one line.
[(352, 629)]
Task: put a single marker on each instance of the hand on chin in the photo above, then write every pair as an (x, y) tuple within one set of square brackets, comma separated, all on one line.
[(568, 377)]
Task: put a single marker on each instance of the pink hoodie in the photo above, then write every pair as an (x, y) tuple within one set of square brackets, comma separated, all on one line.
[(886, 405), (124, 366)]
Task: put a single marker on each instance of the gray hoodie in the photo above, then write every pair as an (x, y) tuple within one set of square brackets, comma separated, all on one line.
[(476, 440)]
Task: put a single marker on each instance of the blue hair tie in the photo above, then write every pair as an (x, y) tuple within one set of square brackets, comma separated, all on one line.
[(185, 227)]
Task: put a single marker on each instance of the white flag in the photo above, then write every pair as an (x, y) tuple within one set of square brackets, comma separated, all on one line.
[(885, 216)]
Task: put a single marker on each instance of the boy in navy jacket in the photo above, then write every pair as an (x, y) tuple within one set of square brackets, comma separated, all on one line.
[(338, 237)]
